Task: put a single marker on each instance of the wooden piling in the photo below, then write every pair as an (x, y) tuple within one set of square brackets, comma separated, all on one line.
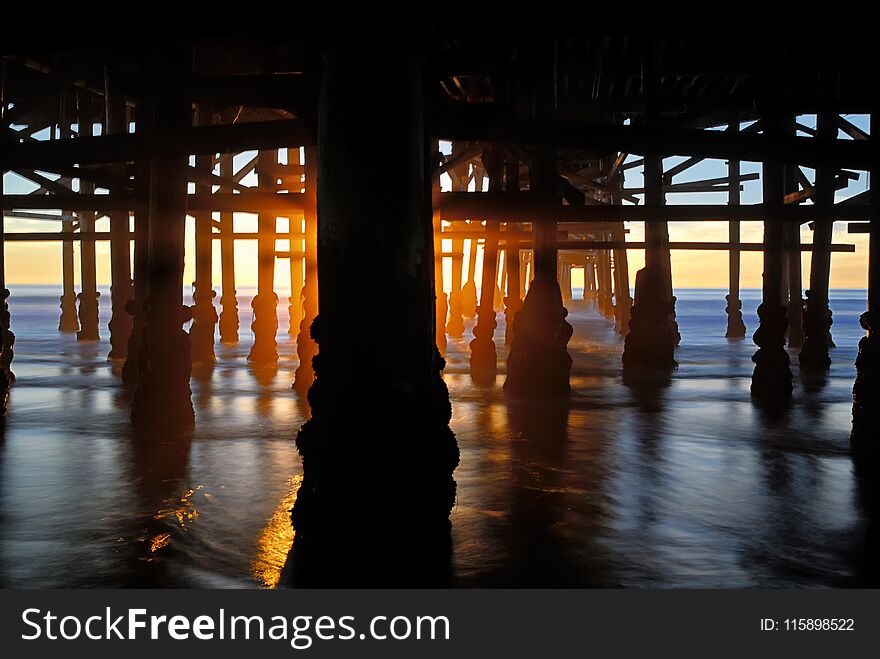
[(121, 292), (866, 389), (441, 304), (484, 360), (306, 348), (736, 328), (228, 300), (539, 365), (163, 396), (68, 321), (204, 314), (469, 290), (512, 257), (88, 297), (297, 273), (771, 379), (792, 238), (265, 302), (378, 357), (817, 317)]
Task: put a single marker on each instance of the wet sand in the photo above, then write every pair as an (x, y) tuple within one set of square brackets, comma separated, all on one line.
[(689, 485)]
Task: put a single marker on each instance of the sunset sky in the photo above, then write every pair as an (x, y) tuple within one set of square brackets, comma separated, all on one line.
[(40, 263)]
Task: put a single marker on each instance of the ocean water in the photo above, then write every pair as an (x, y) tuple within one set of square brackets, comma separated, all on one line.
[(690, 486)]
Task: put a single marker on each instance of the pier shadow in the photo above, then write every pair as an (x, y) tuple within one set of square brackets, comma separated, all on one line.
[(264, 373), (540, 554), (202, 375), (867, 496), (814, 380), (647, 387), (159, 467)]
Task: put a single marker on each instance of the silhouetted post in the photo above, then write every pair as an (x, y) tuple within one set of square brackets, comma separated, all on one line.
[(565, 279), (469, 290), (136, 307), (792, 238), (736, 328), (771, 380), (68, 322), (498, 300), (306, 348), (652, 336), (228, 299), (606, 298), (163, 395), (265, 302), (590, 280), (379, 430), (539, 364), (7, 338), (88, 297), (513, 299), (440, 300), (455, 324), (204, 314), (297, 274), (653, 332), (866, 390), (817, 315), (120, 249), (484, 360), (525, 271), (622, 297)]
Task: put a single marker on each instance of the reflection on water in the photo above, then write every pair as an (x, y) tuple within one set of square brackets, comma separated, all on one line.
[(275, 540), (682, 483)]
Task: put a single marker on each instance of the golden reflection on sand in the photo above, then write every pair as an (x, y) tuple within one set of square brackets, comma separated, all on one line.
[(275, 540)]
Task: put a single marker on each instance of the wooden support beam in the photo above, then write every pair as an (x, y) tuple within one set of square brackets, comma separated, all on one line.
[(736, 328), (686, 246), (228, 321), (163, 397), (484, 125), (537, 208), (306, 347), (204, 315), (265, 303), (88, 297), (247, 202), (484, 359), (227, 138), (771, 379), (296, 254), (817, 318), (121, 293)]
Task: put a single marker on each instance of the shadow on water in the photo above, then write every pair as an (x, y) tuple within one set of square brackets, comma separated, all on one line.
[(539, 436), (264, 374), (867, 496), (159, 468), (647, 387), (3, 570), (814, 380), (202, 376)]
